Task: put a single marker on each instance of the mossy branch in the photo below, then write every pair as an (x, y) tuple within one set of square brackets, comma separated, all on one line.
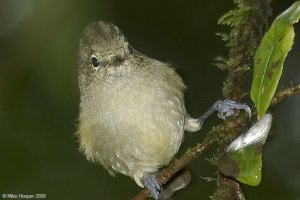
[(228, 189), (249, 22)]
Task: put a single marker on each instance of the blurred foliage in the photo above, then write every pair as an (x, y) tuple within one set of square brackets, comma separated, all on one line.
[(39, 95)]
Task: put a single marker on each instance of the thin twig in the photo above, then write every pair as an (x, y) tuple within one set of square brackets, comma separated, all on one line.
[(212, 137), (283, 94)]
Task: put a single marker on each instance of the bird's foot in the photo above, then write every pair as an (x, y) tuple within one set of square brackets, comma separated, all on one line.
[(226, 108), (152, 184)]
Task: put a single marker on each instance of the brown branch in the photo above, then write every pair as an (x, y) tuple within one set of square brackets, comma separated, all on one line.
[(228, 189), (283, 94), (235, 123), (233, 189)]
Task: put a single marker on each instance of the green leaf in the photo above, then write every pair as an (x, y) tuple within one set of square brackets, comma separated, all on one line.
[(244, 165), (270, 56), (242, 159)]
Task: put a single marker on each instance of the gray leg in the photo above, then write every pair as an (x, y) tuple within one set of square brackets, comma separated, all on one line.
[(152, 184), (225, 108)]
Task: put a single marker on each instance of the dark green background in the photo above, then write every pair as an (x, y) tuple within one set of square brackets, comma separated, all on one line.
[(39, 94)]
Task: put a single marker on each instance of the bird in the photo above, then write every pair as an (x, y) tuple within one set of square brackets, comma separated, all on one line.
[(132, 114)]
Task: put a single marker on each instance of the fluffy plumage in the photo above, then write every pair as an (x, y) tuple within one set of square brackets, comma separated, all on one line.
[(132, 113)]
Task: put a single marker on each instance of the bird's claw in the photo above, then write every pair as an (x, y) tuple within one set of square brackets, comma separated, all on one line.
[(152, 184), (226, 108)]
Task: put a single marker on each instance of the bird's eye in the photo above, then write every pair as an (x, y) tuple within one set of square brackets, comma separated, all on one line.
[(95, 61)]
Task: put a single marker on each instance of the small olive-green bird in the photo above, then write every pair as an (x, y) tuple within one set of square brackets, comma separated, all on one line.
[(132, 112)]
